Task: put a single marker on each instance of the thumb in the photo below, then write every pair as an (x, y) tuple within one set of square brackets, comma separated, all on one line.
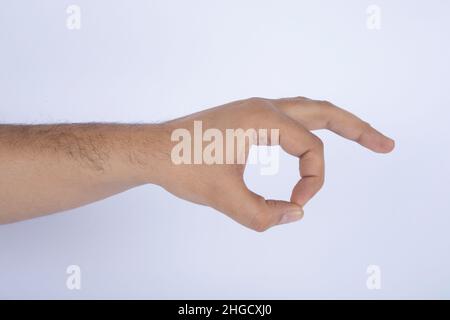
[(260, 214), (286, 212)]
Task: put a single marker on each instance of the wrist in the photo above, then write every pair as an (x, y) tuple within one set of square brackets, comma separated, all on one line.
[(151, 155)]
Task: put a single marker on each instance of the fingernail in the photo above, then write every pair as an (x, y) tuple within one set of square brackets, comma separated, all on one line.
[(291, 216)]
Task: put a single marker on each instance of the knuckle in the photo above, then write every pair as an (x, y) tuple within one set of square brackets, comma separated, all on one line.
[(260, 223), (327, 106), (326, 103), (260, 228), (294, 99), (365, 125), (321, 181), (318, 143), (256, 100), (260, 109)]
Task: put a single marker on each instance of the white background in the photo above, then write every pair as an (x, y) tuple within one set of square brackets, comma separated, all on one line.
[(147, 61)]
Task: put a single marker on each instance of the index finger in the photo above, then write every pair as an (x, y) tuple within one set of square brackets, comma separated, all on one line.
[(314, 114)]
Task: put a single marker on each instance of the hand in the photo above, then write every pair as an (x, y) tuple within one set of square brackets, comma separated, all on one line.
[(55, 167), (222, 186)]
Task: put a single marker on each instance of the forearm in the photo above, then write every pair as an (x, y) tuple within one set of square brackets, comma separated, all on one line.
[(50, 168)]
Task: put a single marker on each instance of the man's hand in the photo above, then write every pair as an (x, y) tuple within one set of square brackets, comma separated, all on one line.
[(49, 168), (221, 186)]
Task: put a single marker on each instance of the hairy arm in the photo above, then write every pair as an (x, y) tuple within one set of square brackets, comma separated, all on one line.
[(50, 168)]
